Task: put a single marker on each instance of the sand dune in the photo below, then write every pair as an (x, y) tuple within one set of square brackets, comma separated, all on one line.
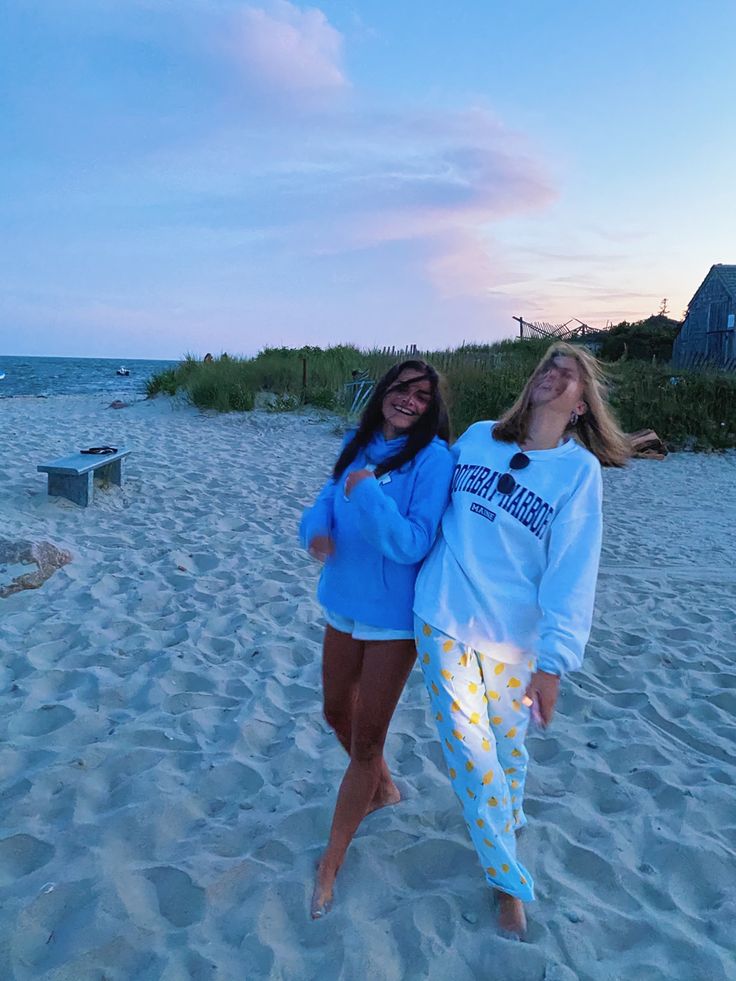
[(166, 780)]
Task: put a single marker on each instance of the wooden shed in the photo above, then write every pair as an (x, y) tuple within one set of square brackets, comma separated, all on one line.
[(708, 332)]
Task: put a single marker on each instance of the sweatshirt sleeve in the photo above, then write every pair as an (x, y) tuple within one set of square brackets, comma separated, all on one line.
[(567, 589), (318, 520), (406, 538)]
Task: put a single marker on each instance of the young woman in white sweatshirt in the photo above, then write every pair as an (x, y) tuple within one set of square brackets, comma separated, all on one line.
[(504, 600)]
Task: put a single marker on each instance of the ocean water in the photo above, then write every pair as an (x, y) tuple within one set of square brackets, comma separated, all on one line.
[(75, 376)]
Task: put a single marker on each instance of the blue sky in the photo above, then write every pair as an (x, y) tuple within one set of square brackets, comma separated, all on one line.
[(192, 176)]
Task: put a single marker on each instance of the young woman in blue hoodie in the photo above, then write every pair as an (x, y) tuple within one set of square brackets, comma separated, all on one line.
[(504, 601), (372, 525)]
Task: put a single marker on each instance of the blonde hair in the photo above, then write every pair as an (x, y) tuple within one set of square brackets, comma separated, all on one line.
[(597, 429)]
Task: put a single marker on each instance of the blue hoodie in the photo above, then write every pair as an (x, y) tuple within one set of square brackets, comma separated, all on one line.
[(381, 533)]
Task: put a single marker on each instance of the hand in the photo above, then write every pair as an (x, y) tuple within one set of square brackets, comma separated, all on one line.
[(355, 478), (546, 687), (321, 547)]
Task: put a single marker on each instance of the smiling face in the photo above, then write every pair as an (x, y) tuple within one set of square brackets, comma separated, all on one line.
[(559, 387), (405, 402)]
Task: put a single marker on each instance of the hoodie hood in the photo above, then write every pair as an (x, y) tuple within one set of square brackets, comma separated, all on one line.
[(380, 448)]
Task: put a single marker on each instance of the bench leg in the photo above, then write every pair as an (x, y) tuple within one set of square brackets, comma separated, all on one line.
[(76, 488), (112, 473)]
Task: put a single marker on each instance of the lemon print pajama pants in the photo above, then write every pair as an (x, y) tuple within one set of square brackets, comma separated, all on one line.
[(477, 705)]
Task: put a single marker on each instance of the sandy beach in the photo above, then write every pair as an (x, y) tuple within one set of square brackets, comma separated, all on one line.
[(167, 781)]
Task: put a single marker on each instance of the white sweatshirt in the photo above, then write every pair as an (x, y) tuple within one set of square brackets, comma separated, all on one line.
[(514, 575)]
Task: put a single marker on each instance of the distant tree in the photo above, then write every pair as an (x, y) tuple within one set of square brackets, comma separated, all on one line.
[(663, 311)]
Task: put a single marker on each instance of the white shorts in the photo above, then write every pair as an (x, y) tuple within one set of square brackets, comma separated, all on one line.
[(363, 631)]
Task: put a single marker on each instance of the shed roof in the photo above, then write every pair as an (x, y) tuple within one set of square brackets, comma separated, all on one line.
[(727, 275)]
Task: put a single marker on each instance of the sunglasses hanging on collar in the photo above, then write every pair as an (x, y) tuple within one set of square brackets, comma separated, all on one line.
[(507, 482)]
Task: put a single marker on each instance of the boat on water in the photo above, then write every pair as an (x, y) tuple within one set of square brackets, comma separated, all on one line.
[(122, 370), (2, 375)]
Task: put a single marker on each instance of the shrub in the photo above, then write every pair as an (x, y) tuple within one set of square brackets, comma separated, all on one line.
[(687, 409), (282, 403), (645, 340), (322, 398), (166, 383)]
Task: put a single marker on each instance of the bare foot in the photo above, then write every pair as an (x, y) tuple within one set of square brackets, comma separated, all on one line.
[(387, 793), (511, 915), (324, 883)]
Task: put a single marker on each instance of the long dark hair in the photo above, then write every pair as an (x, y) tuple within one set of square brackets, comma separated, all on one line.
[(434, 421)]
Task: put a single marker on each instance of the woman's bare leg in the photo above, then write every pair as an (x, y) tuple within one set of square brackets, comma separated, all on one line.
[(511, 915), (386, 666), (342, 661)]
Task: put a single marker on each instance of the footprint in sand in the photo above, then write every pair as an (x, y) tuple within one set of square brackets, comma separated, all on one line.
[(433, 861), (238, 689), (205, 561), (545, 750), (189, 701), (172, 638), (725, 700), (43, 720), (180, 901), (58, 915), (615, 800), (199, 968), (231, 779), (20, 855), (191, 681), (282, 612)]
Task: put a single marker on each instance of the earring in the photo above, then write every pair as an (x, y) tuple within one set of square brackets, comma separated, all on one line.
[(574, 418)]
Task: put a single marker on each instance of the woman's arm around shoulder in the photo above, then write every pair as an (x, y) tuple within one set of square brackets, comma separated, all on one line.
[(473, 429)]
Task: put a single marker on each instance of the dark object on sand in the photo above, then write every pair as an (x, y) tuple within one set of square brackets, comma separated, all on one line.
[(46, 557), (646, 445)]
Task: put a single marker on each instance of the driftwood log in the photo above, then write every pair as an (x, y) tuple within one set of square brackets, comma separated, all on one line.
[(646, 445)]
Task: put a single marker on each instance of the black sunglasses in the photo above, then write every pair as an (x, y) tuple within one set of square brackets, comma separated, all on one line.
[(100, 450), (506, 482)]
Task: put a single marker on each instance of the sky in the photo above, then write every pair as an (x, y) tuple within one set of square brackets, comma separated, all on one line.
[(211, 175)]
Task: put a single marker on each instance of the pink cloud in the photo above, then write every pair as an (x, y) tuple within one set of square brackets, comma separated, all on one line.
[(439, 183), (286, 50)]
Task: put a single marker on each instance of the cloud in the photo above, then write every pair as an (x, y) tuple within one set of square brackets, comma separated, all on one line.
[(334, 183), (435, 182), (286, 50), (226, 161)]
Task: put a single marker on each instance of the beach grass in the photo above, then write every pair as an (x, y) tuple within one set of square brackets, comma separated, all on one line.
[(692, 409)]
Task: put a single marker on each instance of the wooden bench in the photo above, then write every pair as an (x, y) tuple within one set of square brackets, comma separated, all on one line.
[(73, 476)]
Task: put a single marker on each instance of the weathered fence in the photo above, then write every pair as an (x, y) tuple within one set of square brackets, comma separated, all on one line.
[(541, 330), (698, 361), (444, 360), (357, 392)]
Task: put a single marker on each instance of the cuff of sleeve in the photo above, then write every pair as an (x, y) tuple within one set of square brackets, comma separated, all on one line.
[(549, 666), (311, 531), (365, 492)]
